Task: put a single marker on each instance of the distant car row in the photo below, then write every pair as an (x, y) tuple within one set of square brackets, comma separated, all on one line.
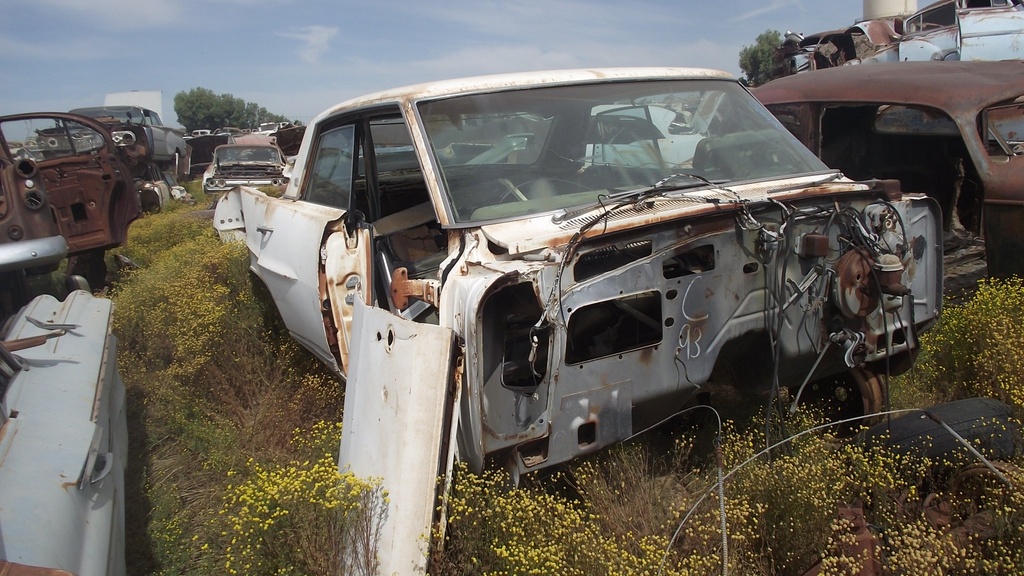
[(989, 30), (264, 128)]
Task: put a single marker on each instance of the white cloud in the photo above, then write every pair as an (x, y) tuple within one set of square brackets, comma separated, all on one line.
[(316, 41)]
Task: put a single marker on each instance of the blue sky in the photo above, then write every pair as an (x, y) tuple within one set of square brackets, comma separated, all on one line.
[(298, 57)]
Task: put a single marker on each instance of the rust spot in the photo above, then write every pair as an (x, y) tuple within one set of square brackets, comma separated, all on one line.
[(8, 568), (918, 246), (646, 355)]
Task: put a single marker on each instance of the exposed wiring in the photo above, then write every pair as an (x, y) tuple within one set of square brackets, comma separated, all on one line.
[(721, 479)]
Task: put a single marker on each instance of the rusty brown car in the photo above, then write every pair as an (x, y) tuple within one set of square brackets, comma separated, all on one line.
[(66, 190), (951, 130)]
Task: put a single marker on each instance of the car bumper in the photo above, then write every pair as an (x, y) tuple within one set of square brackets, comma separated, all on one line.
[(37, 252), (228, 184)]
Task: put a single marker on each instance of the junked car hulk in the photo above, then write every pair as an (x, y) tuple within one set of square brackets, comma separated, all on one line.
[(516, 270), (244, 165)]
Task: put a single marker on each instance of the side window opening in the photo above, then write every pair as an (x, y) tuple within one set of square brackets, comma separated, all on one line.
[(920, 147), (330, 181), (1004, 127)]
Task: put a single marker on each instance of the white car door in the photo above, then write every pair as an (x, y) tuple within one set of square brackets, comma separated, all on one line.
[(284, 239), (399, 427), (289, 241)]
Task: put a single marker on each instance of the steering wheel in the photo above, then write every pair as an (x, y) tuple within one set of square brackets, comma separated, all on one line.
[(510, 190)]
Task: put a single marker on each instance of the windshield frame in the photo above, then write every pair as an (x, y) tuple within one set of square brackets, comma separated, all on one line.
[(572, 110)]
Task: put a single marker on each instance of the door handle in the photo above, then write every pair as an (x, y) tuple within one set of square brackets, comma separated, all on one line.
[(264, 229)]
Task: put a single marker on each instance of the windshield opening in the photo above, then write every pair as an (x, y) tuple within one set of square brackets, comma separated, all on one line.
[(525, 152), (248, 154)]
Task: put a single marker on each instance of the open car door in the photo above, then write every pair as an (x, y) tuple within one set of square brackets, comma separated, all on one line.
[(398, 426), (284, 237)]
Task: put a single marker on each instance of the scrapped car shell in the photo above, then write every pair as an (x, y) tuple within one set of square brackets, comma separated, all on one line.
[(63, 442), (960, 89), (408, 96), (90, 199), (165, 143), (412, 391), (253, 173)]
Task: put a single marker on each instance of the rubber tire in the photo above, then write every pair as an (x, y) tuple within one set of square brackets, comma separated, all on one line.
[(988, 424)]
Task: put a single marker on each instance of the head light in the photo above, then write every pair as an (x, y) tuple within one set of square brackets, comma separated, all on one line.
[(123, 138)]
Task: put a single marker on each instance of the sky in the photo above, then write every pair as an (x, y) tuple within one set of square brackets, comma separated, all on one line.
[(299, 57)]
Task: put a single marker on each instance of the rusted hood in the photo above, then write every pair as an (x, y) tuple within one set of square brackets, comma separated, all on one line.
[(937, 84)]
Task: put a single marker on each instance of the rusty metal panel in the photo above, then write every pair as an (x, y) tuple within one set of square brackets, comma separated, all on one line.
[(397, 411), (202, 151), (65, 177)]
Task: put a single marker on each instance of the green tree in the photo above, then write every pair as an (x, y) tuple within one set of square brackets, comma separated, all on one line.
[(758, 61), (201, 108)]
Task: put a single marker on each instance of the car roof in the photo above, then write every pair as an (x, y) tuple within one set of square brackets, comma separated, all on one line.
[(477, 84), (253, 145), (108, 108), (955, 87)]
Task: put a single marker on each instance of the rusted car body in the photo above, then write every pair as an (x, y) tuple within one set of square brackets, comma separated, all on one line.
[(67, 190), (201, 152), (951, 130), (518, 270), (863, 42), (63, 440), (245, 165), (948, 30)]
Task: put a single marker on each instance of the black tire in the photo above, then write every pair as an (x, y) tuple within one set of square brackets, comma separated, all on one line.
[(986, 423)]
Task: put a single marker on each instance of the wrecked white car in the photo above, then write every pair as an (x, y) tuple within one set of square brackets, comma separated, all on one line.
[(964, 30), (520, 269), (244, 165)]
